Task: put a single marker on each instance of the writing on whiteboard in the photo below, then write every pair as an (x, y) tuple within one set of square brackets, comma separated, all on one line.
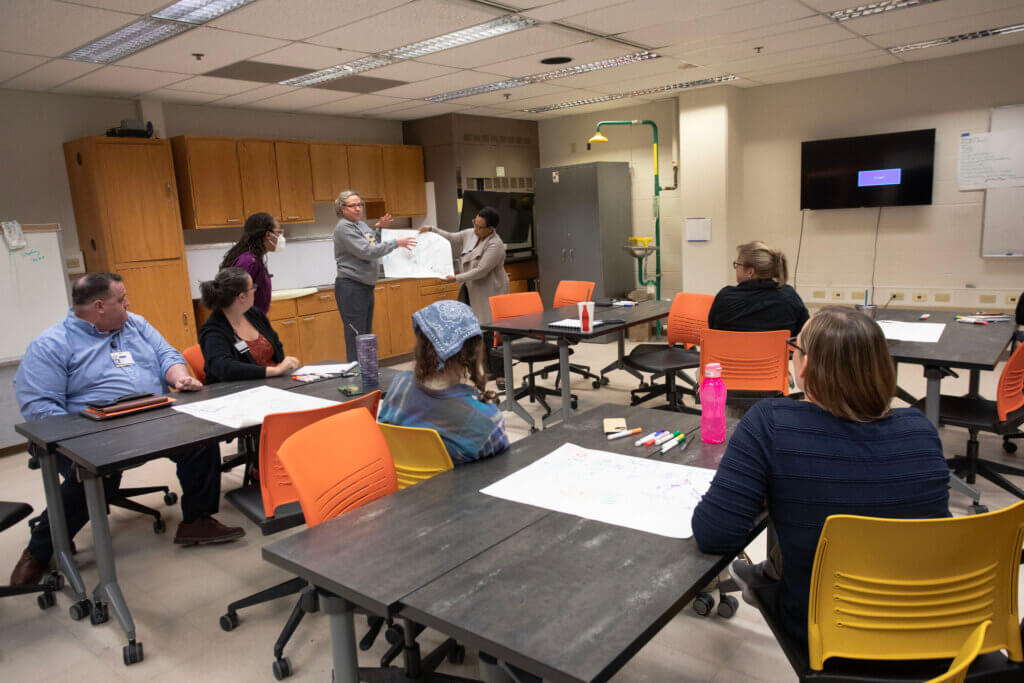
[(990, 160)]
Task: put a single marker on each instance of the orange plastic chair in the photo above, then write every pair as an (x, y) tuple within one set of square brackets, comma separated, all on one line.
[(571, 292), (276, 486), (333, 475), (957, 672), (194, 358), (510, 305), (751, 361), (688, 318)]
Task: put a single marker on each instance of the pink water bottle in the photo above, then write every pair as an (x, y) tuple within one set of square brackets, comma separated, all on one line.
[(712, 404)]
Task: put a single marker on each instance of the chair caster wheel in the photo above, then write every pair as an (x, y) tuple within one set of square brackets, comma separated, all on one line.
[(229, 621), (132, 653), (80, 610), (457, 655), (54, 582), (543, 375), (170, 498), (604, 381), (394, 634), (644, 386), (574, 402), (703, 604), (596, 384), (282, 668), (1009, 447), (534, 430), (159, 526), (727, 606), (46, 600), (99, 614), (977, 509)]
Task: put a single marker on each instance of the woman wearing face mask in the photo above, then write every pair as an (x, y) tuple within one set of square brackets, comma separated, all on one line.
[(261, 234), (237, 340)]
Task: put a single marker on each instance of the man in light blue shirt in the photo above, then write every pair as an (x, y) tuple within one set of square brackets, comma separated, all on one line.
[(100, 352)]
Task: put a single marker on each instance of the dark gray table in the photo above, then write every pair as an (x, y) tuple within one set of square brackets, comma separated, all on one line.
[(414, 552), (537, 324)]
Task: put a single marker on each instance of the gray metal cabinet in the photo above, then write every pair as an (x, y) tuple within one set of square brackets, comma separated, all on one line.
[(583, 216)]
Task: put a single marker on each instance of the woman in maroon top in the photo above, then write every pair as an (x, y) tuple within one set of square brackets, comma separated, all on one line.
[(262, 233), (237, 340)]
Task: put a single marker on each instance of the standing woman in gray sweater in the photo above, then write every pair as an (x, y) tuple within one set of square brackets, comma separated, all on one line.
[(357, 247)]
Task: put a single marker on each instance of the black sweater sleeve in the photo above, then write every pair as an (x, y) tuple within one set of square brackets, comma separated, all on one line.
[(222, 361)]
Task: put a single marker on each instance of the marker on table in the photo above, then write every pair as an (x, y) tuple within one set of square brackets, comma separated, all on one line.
[(925, 316), (650, 437), (667, 437), (619, 435), (673, 443)]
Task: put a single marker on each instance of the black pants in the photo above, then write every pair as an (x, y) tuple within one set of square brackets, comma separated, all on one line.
[(355, 304), (495, 361), (198, 472)]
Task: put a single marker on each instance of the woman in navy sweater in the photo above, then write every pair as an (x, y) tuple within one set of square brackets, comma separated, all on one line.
[(843, 450)]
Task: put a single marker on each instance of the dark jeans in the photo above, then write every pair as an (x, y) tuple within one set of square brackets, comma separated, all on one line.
[(355, 304), (198, 472)]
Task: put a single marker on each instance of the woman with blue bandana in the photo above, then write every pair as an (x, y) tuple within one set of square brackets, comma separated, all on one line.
[(449, 350)]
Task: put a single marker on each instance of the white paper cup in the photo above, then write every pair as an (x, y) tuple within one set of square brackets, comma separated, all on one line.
[(587, 322)]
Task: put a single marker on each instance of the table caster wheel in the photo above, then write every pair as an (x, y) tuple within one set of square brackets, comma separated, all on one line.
[(170, 498), (977, 509), (282, 668), (80, 610), (99, 614), (703, 604), (159, 526), (132, 653), (229, 621), (457, 655), (727, 606), (1009, 447), (46, 600), (54, 582)]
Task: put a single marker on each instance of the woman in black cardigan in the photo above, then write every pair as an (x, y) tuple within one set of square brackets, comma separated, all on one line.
[(237, 339)]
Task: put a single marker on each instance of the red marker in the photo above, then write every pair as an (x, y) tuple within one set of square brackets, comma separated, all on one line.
[(925, 316)]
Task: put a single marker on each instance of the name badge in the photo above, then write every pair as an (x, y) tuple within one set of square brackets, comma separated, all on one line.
[(122, 359), (242, 346)]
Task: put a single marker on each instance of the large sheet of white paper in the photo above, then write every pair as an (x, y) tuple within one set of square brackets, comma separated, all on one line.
[(248, 408), (325, 369), (989, 160), (912, 332), (637, 493), (431, 257)]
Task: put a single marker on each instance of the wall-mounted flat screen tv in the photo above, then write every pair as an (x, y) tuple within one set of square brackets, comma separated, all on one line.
[(894, 169), (515, 211)]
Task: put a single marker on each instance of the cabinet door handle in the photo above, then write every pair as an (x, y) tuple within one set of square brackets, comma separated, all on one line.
[(325, 297), (563, 256), (396, 286), (234, 220), (287, 322), (184, 319), (572, 256), (291, 218), (168, 186), (309, 319)]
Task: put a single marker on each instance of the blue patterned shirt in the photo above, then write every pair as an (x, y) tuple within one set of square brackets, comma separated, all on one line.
[(469, 428)]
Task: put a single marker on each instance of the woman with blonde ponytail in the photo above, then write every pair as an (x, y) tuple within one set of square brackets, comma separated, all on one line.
[(761, 300)]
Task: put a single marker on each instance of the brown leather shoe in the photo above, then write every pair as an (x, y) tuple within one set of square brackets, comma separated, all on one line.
[(29, 571), (206, 529)]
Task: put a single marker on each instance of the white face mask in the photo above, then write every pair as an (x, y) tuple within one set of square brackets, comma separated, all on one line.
[(279, 245)]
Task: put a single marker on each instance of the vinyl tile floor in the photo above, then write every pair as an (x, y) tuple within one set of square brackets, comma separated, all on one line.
[(178, 594)]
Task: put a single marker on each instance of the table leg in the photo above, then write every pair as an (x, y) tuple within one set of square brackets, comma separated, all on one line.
[(343, 637), (617, 364), (566, 379), (63, 558), (511, 403), (974, 383), (931, 402), (107, 591)]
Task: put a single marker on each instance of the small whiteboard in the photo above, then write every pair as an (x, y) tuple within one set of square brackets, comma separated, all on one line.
[(1002, 230), (34, 291)]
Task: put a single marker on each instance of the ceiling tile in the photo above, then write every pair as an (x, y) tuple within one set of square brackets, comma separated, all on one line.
[(518, 44), (659, 80), (50, 75), (839, 49), (816, 71), (947, 10), (403, 104), (120, 80), (681, 48), (488, 111), (769, 45), (567, 8), (975, 22), (624, 74), (216, 86), (219, 47), (358, 103), (12, 64), (308, 56), (407, 24), (733, 20), (436, 86), (514, 94), (182, 96), (421, 112), (298, 19), (832, 5), (131, 6), (528, 4), (963, 47), (359, 84), (45, 27), (581, 53), (298, 99), (254, 95), (566, 95), (261, 72), (637, 14), (411, 70)]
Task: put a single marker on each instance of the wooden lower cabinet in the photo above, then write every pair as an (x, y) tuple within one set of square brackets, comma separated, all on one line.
[(288, 333), (322, 337), (403, 301), (381, 320)]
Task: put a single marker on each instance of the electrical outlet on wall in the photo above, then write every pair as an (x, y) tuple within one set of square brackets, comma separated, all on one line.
[(898, 296), (837, 294), (942, 297), (818, 294), (1011, 300), (920, 297)]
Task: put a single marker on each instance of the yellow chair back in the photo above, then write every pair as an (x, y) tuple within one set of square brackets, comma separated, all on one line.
[(418, 453), (914, 588), (957, 672)]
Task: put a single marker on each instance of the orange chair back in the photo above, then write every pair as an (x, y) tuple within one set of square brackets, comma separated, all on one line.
[(1010, 394), (276, 486), (751, 361), (510, 305), (571, 292), (338, 464), (688, 318), (196, 363)]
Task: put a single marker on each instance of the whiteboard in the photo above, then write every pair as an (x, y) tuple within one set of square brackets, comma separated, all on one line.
[(303, 263), (35, 292), (1002, 231)]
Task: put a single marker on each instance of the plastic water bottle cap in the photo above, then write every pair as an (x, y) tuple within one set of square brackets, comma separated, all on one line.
[(713, 370)]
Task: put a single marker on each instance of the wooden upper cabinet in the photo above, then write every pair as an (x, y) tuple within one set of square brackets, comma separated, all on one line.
[(140, 201), (209, 184), (295, 181), (257, 167), (329, 164), (366, 171), (159, 292), (403, 179)]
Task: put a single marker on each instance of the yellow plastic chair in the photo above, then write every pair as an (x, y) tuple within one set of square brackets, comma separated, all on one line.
[(901, 589), (418, 453), (972, 646)]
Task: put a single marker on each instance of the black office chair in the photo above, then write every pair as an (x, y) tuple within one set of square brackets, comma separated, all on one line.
[(531, 351), (11, 514)]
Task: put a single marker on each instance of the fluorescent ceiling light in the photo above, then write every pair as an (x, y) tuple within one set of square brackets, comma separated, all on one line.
[(340, 71), (127, 41), (546, 76), (634, 93), (490, 29), (949, 40), (199, 11), (875, 8)]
